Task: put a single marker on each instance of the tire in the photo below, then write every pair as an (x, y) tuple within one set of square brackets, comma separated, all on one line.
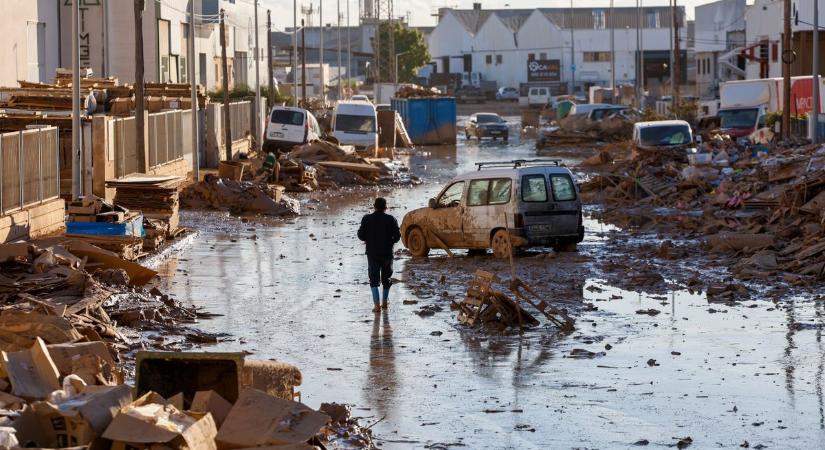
[(500, 245), (417, 243), (565, 246)]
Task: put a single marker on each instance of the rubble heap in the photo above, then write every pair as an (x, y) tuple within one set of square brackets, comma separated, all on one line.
[(240, 197), (751, 199)]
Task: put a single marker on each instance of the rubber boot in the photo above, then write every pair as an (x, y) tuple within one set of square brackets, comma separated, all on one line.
[(384, 304), (375, 299)]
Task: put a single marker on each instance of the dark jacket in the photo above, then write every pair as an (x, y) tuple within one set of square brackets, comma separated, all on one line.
[(380, 231)]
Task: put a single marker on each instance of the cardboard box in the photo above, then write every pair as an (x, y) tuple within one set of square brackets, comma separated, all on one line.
[(211, 402), (81, 419), (259, 419), (91, 361), (145, 423), (32, 372)]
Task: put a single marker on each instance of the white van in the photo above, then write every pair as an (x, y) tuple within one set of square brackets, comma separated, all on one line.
[(355, 123), (538, 97), (288, 126), (583, 109)]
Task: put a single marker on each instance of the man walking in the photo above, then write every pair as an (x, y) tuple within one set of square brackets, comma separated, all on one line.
[(380, 232)]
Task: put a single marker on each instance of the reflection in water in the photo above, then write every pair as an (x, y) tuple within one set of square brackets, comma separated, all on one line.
[(821, 366), (382, 380), (789, 347)]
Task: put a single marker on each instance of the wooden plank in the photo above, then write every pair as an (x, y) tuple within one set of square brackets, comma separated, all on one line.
[(354, 167)]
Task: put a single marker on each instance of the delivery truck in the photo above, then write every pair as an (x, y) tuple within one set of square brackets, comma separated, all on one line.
[(744, 104)]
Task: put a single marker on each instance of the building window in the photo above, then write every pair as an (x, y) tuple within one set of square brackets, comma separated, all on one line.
[(596, 56), (488, 59), (599, 19), (531, 57), (652, 19), (499, 59), (542, 56)]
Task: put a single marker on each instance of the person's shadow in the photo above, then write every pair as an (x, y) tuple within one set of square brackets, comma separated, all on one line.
[(382, 383)]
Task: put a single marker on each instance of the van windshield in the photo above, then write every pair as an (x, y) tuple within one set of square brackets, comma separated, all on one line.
[(665, 135), (354, 124), (738, 118), (287, 117)]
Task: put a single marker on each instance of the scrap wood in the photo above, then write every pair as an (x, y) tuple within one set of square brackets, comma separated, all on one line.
[(555, 315), (355, 167), (438, 241)]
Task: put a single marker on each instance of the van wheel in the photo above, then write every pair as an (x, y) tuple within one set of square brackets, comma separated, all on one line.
[(417, 243), (565, 246), (500, 245)]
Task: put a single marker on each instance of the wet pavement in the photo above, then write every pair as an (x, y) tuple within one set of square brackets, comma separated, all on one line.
[(297, 291)]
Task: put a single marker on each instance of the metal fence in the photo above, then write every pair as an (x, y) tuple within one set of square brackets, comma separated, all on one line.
[(169, 140), (30, 172), (240, 117)]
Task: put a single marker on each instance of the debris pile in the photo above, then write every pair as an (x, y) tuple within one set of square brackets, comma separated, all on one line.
[(239, 197), (746, 200), (156, 197), (576, 130), (415, 91), (493, 308)]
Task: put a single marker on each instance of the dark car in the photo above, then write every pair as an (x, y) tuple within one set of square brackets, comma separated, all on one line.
[(491, 125)]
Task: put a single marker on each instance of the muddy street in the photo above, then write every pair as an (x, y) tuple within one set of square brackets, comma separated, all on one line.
[(652, 361)]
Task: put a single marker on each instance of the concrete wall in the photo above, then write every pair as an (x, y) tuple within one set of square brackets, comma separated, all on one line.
[(714, 21), (33, 222)]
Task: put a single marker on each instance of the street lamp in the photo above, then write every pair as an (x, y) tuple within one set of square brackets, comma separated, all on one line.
[(396, 67)]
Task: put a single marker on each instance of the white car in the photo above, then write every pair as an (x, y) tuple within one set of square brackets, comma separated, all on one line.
[(662, 134), (360, 98), (289, 126), (355, 123)]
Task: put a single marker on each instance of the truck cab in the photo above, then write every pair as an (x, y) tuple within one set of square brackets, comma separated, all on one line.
[(744, 104)]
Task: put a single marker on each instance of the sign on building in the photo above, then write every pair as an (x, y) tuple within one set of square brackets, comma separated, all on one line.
[(543, 70), (90, 34)]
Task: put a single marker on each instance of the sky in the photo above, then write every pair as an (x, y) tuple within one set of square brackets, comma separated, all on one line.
[(420, 11)]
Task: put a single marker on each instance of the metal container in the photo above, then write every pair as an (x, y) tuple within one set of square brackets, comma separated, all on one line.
[(429, 120)]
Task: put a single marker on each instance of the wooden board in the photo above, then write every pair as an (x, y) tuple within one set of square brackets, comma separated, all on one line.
[(354, 167)]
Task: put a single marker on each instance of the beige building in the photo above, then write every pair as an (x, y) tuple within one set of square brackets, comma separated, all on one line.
[(30, 44)]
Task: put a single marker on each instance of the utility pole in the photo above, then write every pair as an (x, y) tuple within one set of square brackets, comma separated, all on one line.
[(194, 94), (637, 59), (642, 55), (670, 4), (612, 55), (140, 83), (815, 78), (77, 189), (270, 93), (257, 115), (349, 49), (321, 50), (572, 54), (376, 41), (304, 64), (294, 52), (677, 57), (340, 91), (786, 71), (227, 123)]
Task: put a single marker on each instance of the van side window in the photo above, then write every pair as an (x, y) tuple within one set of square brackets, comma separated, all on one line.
[(489, 192), (533, 188), (452, 196), (563, 189)]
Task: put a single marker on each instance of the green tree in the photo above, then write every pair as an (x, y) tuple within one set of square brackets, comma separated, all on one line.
[(408, 41)]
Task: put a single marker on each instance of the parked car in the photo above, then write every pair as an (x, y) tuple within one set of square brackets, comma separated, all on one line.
[(383, 107), (538, 97), (536, 200), (583, 109), (289, 126), (469, 94), (360, 98), (481, 125), (599, 114), (662, 133), (507, 94), (355, 123)]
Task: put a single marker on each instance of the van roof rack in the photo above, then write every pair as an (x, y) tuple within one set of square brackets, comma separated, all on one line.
[(516, 163)]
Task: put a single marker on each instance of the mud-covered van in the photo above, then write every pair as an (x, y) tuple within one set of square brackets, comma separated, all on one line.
[(536, 200)]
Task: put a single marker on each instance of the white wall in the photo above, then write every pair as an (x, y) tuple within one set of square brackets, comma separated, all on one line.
[(449, 38), (714, 20), (764, 21), (29, 49)]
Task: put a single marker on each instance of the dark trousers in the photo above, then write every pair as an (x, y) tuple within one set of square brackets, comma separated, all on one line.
[(380, 270)]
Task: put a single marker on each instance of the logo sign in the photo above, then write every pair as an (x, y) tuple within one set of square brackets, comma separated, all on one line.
[(543, 70)]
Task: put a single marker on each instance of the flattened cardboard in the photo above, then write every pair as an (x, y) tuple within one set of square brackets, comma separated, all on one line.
[(79, 420), (137, 427), (259, 419), (303, 446), (211, 402), (8, 401), (32, 372), (176, 401)]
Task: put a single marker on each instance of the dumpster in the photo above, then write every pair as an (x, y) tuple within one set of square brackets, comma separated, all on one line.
[(429, 120)]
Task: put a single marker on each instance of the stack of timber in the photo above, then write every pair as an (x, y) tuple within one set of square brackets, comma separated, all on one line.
[(155, 196)]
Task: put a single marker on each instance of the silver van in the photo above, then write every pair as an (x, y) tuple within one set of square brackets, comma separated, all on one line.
[(536, 200)]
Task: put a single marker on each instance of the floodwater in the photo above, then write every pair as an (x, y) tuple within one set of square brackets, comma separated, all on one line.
[(297, 292)]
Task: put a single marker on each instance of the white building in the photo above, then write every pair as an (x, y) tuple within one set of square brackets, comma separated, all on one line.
[(30, 41), (719, 40), (502, 44), (763, 33), (42, 40)]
